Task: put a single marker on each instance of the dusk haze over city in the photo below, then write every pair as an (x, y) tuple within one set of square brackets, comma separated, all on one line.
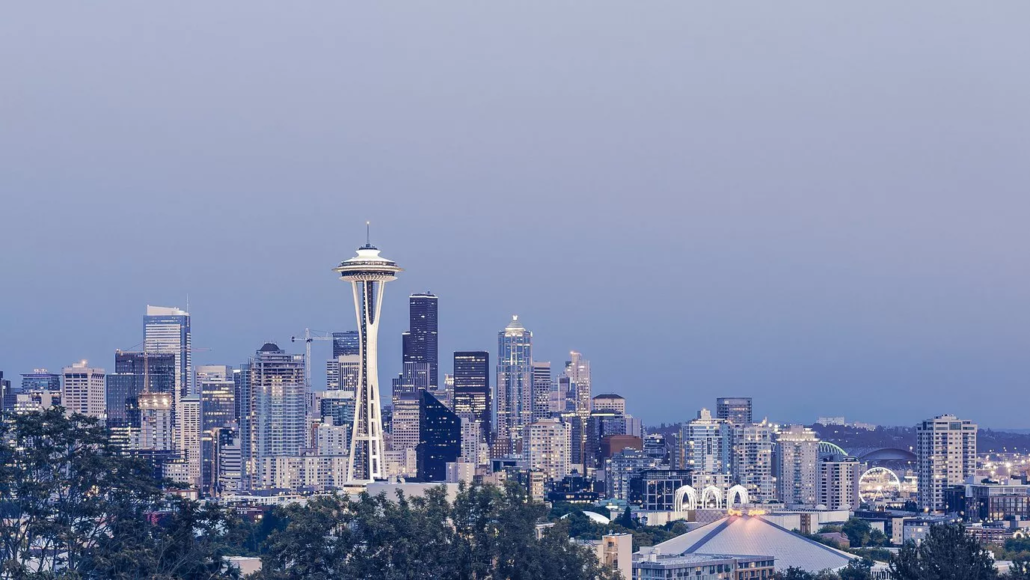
[(664, 290)]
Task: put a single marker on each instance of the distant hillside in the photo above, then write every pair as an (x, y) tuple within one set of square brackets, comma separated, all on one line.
[(988, 440)]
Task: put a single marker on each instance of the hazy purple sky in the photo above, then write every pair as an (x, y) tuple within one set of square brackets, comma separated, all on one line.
[(822, 205)]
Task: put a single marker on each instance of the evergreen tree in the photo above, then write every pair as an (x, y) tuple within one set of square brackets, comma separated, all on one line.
[(947, 553)]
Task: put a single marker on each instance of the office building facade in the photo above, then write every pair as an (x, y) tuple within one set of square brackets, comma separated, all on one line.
[(736, 410), (420, 344), (514, 384)]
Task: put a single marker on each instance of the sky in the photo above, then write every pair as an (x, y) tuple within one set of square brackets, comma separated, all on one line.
[(821, 205)]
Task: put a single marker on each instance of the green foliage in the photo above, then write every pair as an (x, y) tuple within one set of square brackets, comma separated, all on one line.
[(861, 534), (486, 533), (626, 519), (947, 553), (855, 570), (72, 507), (1019, 569)]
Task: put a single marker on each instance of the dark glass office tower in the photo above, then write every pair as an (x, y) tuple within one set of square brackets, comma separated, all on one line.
[(135, 373), (472, 388), (736, 410), (346, 343), (420, 342), (439, 438)]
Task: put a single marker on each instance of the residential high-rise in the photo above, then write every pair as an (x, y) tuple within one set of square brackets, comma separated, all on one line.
[(404, 422), (838, 482), (797, 474), (273, 411), (946, 455), (546, 447), (514, 384), (439, 438), (736, 410), (156, 434), (752, 460), (707, 444), (420, 342), (472, 389), (83, 390), (541, 390), (368, 272)]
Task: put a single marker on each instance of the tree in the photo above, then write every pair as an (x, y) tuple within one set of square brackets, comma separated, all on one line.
[(947, 553), (64, 491), (1019, 569), (857, 570), (72, 506), (794, 573), (485, 533), (626, 519)]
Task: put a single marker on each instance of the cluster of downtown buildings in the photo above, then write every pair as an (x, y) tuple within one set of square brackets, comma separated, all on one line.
[(259, 429)]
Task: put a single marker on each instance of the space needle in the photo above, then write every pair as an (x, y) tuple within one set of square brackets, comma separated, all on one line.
[(367, 272)]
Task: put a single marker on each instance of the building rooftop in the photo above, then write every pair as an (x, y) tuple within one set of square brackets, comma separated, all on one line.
[(269, 347), (754, 536)]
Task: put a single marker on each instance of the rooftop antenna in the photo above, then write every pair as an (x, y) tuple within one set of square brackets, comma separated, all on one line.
[(368, 233)]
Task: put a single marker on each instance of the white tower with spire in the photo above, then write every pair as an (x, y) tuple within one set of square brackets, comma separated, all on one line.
[(367, 272)]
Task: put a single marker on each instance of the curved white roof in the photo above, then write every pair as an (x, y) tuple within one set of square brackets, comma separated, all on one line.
[(754, 536)]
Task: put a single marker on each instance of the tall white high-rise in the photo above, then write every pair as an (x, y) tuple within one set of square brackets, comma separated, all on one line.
[(798, 471), (706, 444), (838, 482), (752, 460), (83, 390), (946, 452), (577, 369), (368, 272), (546, 447)]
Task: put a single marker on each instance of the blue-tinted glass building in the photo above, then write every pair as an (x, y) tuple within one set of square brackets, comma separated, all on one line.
[(439, 438)]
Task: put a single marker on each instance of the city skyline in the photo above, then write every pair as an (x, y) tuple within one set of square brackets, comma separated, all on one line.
[(836, 212)]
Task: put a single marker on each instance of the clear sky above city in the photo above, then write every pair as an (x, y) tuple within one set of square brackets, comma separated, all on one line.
[(821, 205)]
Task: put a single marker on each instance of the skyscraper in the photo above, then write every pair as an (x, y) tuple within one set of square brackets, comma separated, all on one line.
[(514, 383), (217, 396), (83, 390), (736, 410), (135, 373), (368, 272), (167, 331), (344, 370), (8, 397), (541, 390), (707, 443), (797, 473), (838, 482), (577, 369), (439, 438), (547, 448), (946, 454), (273, 411), (420, 343), (472, 389), (752, 460)]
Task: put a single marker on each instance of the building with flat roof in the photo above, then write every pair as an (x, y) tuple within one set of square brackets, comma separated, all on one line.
[(946, 451)]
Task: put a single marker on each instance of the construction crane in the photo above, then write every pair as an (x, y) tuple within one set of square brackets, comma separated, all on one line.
[(308, 338)]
